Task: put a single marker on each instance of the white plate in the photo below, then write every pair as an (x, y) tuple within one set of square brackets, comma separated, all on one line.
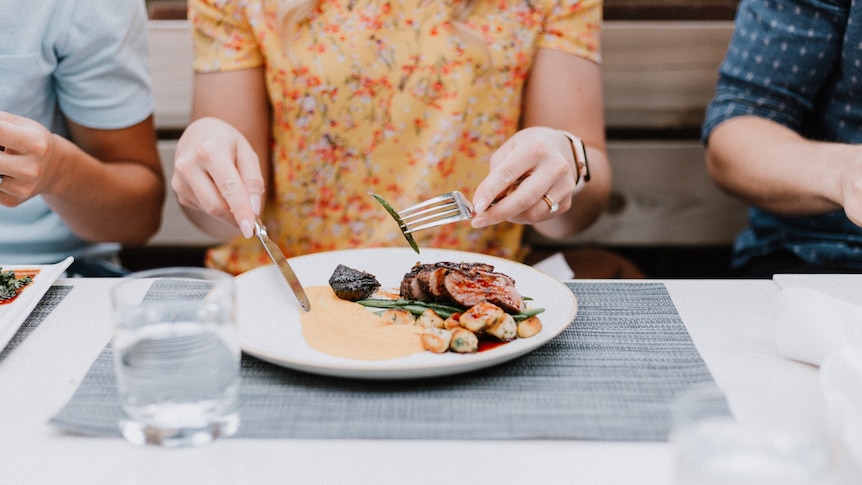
[(270, 329), (13, 314)]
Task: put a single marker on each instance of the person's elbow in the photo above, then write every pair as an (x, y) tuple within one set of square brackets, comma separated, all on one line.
[(720, 160), (717, 168)]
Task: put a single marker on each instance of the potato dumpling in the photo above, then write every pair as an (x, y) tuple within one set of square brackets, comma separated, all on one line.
[(398, 316), (436, 340), (529, 327), (505, 329), (482, 316), (463, 341), (453, 322), (430, 319)]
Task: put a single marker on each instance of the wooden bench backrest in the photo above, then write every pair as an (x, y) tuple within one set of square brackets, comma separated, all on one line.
[(658, 77)]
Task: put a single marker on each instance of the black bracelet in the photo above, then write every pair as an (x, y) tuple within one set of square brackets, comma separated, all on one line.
[(582, 165)]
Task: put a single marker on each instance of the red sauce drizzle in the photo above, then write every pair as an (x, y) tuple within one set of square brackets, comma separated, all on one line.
[(490, 344)]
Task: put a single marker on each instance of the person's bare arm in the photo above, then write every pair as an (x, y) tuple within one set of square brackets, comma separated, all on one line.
[(774, 168), (222, 162), (578, 108), (106, 185)]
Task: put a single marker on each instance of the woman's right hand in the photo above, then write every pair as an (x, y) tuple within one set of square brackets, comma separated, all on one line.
[(217, 177)]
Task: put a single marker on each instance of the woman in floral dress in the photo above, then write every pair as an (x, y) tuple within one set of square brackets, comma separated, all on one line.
[(301, 108)]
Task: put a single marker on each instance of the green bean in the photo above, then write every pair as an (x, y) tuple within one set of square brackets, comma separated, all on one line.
[(378, 303), (392, 212), (532, 312), (444, 311)]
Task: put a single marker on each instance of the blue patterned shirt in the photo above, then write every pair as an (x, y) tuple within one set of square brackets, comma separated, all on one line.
[(798, 63)]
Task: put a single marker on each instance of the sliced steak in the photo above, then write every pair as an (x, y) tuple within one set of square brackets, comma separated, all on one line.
[(463, 283), (410, 287), (470, 288)]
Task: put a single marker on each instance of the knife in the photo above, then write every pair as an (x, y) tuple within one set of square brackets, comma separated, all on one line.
[(278, 258)]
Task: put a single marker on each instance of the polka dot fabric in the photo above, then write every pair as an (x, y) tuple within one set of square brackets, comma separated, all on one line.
[(799, 63)]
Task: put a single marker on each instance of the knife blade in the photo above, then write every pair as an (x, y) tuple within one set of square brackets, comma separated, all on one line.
[(278, 258)]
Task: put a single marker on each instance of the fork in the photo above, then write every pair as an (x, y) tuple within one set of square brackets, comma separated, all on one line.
[(436, 211)]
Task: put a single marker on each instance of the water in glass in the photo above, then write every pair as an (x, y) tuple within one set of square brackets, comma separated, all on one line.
[(177, 366)]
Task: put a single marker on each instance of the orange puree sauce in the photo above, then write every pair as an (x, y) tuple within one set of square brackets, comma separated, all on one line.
[(347, 329)]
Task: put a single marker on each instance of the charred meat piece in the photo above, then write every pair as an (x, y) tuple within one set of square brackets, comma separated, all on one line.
[(352, 284), (463, 283)]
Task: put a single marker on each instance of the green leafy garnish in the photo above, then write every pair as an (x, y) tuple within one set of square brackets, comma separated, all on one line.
[(10, 285), (394, 214), (416, 307)]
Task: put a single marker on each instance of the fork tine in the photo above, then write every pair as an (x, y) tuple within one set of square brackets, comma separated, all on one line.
[(437, 211), (448, 197), (433, 220), (420, 215), (440, 222)]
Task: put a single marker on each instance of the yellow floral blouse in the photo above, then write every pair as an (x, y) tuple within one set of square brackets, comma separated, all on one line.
[(391, 97)]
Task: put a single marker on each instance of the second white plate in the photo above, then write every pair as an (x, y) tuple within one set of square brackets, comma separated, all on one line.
[(15, 313)]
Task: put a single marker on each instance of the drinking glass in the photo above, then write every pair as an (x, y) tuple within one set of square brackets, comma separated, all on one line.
[(710, 447), (176, 356)]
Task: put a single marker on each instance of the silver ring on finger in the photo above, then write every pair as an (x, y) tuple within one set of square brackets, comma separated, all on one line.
[(1, 178), (553, 207)]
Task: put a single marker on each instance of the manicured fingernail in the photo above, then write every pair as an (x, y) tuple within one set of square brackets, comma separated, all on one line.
[(255, 204), (247, 228), (480, 206)]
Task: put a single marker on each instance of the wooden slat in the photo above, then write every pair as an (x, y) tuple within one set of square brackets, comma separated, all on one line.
[(662, 195), (176, 229), (613, 9), (660, 75), (167, 9), (170, 64), (669, 9)]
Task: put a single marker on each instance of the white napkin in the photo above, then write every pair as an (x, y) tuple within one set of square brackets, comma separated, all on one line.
[(819, 329), (810, 324), (841, 385), (556, 265)]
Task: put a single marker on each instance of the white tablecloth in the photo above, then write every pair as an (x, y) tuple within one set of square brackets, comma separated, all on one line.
[(729, 321)]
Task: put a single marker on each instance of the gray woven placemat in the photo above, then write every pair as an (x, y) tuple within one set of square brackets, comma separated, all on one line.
[(46, 305), (609, 376)]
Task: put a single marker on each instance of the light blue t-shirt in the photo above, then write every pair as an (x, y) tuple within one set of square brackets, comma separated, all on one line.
[(85, 60)]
